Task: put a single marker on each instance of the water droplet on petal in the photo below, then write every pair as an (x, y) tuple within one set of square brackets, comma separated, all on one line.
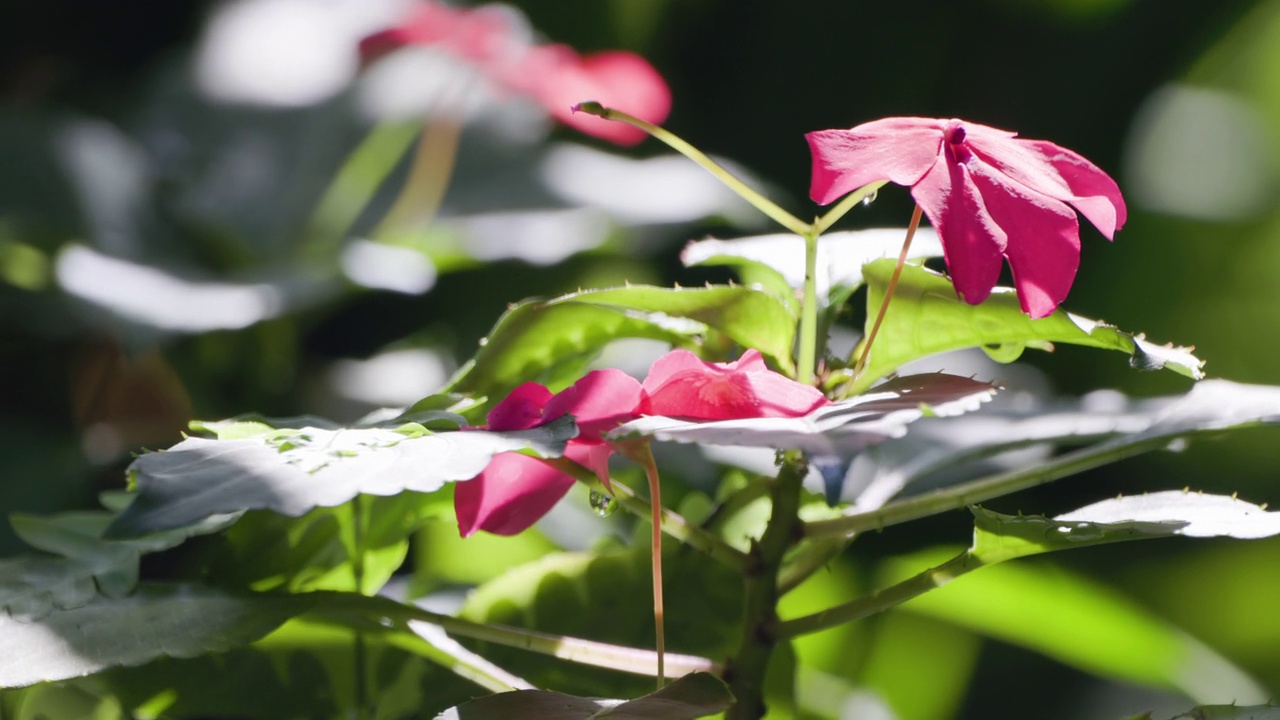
[(603, 504), (870, 198)]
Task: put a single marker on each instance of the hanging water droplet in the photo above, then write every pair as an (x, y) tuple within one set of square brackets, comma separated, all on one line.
[(870, 198), (603, 504)]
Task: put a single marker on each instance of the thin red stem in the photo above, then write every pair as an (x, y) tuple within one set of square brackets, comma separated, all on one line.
[(655, 499), (888, 293)]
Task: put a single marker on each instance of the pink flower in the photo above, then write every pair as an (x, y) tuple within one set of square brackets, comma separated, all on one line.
[(556, 76), (681, 385), (989, 194), (515, 490)]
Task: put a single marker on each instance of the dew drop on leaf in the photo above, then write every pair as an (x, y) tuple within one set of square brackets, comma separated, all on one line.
[(870, 198), (602, 504)]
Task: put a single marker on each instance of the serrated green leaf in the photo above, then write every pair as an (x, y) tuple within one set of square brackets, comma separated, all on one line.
[(155, 621), (999, 537), (926, 318), (536, 340), (532, 339), (311, 467), (750, 318), (692, 696)]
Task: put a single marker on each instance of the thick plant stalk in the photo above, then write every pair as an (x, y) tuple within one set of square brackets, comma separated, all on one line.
[(745, 671)]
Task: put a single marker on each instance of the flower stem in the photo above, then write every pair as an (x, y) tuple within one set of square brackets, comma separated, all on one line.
[(650, 469), (579, 650), (880, 600), (745, 671), (888, 293), (761, 203), (431, 642), (992, 486), (805, 364), (428, 179), (849, 202), (672, 523)]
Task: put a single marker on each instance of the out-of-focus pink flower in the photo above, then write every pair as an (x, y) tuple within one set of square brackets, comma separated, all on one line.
[(989, 194), (556, 76), (683, 386), (515, 490)]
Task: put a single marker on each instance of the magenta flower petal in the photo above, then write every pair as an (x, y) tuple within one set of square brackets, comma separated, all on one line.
[(899, 150), (592, 455), (599, 402), (520, 410), (512, 493), (681, 385), (974, 242), (989, 194), (1044, 240)]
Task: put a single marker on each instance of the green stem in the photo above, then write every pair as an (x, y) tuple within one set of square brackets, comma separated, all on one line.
[(880, 600), (355, 184), (673, 524), (807, 559), (360, 651), (745, 671), (761, 203), (572, 649), (849, 202), (430, 642), (805, 364), (976, 491)]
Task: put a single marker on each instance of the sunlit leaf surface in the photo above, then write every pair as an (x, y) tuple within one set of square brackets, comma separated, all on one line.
[(926, 317), (293, 471)]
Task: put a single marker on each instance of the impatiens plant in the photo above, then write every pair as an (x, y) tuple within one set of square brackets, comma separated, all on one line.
[(777, 453)]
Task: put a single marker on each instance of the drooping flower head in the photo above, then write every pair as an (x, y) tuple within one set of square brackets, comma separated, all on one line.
[(681, 385), (990, 195), (515, 490), (490, 38)]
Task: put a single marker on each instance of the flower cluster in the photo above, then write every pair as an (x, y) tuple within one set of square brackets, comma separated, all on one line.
[(989, 194), (515, 490), (555, 76)]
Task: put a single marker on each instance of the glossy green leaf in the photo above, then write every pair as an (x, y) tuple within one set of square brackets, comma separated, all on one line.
[(293, 471), (749, 317), (926, 317), (155, 621), (692, 696), (1001, 537), (532, 340)]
